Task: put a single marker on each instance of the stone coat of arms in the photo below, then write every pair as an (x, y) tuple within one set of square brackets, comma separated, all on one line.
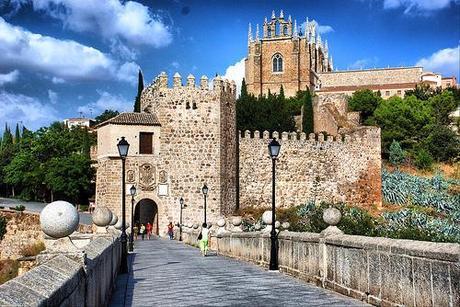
[(147, 177)]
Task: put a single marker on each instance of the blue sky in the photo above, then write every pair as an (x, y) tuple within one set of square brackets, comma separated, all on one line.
[(62, 57)]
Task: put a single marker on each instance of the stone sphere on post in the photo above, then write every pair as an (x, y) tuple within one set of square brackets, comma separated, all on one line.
[(332, 216), (221, 222), (267, 217), (118, 225), (102, 216), (237, 220), (114, 219), (59, 219)]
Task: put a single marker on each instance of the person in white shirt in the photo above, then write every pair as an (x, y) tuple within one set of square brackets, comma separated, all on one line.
[(204, 239)]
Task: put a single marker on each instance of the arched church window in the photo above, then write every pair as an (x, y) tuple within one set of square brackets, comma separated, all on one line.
[(285, 30), (277, 63), (269, 32)]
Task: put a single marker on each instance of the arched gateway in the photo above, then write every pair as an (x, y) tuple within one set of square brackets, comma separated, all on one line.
[(146, 211)]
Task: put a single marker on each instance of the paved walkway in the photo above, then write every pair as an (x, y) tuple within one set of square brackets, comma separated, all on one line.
[(169, 273)]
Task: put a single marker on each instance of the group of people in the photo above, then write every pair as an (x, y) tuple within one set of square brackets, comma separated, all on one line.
[(203, 237), (142, 230)]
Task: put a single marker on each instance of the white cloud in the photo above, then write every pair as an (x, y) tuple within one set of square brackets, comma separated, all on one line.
[(235, 72), (30, 111), (10, 77), (175, 64), (445, 61), (53, 96), (64, 59), (364, 63), (128, 72), (321, 29), (417, 6), (127, 20), (107, 101), (56, 80)]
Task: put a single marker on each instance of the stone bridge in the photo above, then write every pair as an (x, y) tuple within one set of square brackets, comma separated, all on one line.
[(315, 269)]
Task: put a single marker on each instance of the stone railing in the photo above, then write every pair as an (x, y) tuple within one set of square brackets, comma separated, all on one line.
[(83, 277), (75, 269), (379, 271)]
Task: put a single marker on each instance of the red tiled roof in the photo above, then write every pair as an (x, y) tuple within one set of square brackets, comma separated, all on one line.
[(141, 119), (370, 87)]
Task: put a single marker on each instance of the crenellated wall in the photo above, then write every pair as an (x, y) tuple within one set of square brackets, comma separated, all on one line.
[(318, 168)]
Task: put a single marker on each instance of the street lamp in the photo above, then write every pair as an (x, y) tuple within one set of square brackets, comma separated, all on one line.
[(205, 190), (123, 147), (274, 150), (132, 191), (182, 206)]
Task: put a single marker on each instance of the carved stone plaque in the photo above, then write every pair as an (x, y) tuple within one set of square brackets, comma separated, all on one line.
[(130, 176), (147, 177), (163, 177)]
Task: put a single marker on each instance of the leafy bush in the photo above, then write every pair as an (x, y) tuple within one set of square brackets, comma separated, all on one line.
[(397, 155), (423, 160), (3, 223)]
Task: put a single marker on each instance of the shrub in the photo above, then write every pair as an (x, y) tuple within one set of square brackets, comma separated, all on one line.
[(3, 223), (33, 249), (397, 155), (423, 160)]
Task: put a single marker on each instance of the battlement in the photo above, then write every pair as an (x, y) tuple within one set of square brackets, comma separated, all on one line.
[(363, 134), (219, 85)]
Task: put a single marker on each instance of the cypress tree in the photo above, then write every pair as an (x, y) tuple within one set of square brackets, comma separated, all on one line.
[(281, 92), (244, 89), (7, 137), (307, 118), (140, 88), (17, 134)]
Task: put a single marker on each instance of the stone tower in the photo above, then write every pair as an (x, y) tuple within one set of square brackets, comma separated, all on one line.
[(192, 131), (285, 55)]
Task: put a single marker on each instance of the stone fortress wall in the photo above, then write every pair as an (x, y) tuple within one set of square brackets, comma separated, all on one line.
[(330, 168)]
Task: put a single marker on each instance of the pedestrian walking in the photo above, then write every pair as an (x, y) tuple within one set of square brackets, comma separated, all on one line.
[(149, 230), (171, 231), (142, 231), (136, 232), (204, 237)]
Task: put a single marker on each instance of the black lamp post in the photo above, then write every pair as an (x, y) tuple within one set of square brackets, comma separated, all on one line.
[(205, 190), (182, 206), (132, 191), (123, 147), (274, 150)]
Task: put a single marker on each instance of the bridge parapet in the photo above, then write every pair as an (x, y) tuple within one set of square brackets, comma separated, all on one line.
[(380, 271)]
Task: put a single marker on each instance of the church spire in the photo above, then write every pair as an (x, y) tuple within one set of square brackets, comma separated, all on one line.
[(250, 33), (281, 14), (295, 28), (273, 14), (257, 32)]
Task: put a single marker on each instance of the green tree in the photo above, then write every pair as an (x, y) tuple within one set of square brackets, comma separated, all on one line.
[(140, 88), (443, 104), (403, 120), (366, 102), (307, 120), (422, 91), (397, 155), (423, 159), (106, 115), (442, 143), (17, 134)]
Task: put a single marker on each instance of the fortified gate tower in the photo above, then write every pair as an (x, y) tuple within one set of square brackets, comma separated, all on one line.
[(184, 137)]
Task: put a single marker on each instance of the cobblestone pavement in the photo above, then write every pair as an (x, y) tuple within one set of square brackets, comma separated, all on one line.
[(169, 273)]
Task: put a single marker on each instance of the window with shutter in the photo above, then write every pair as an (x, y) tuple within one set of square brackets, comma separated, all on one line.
[(145, 143)]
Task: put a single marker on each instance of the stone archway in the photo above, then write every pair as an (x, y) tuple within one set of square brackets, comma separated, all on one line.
[(146, 211)]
